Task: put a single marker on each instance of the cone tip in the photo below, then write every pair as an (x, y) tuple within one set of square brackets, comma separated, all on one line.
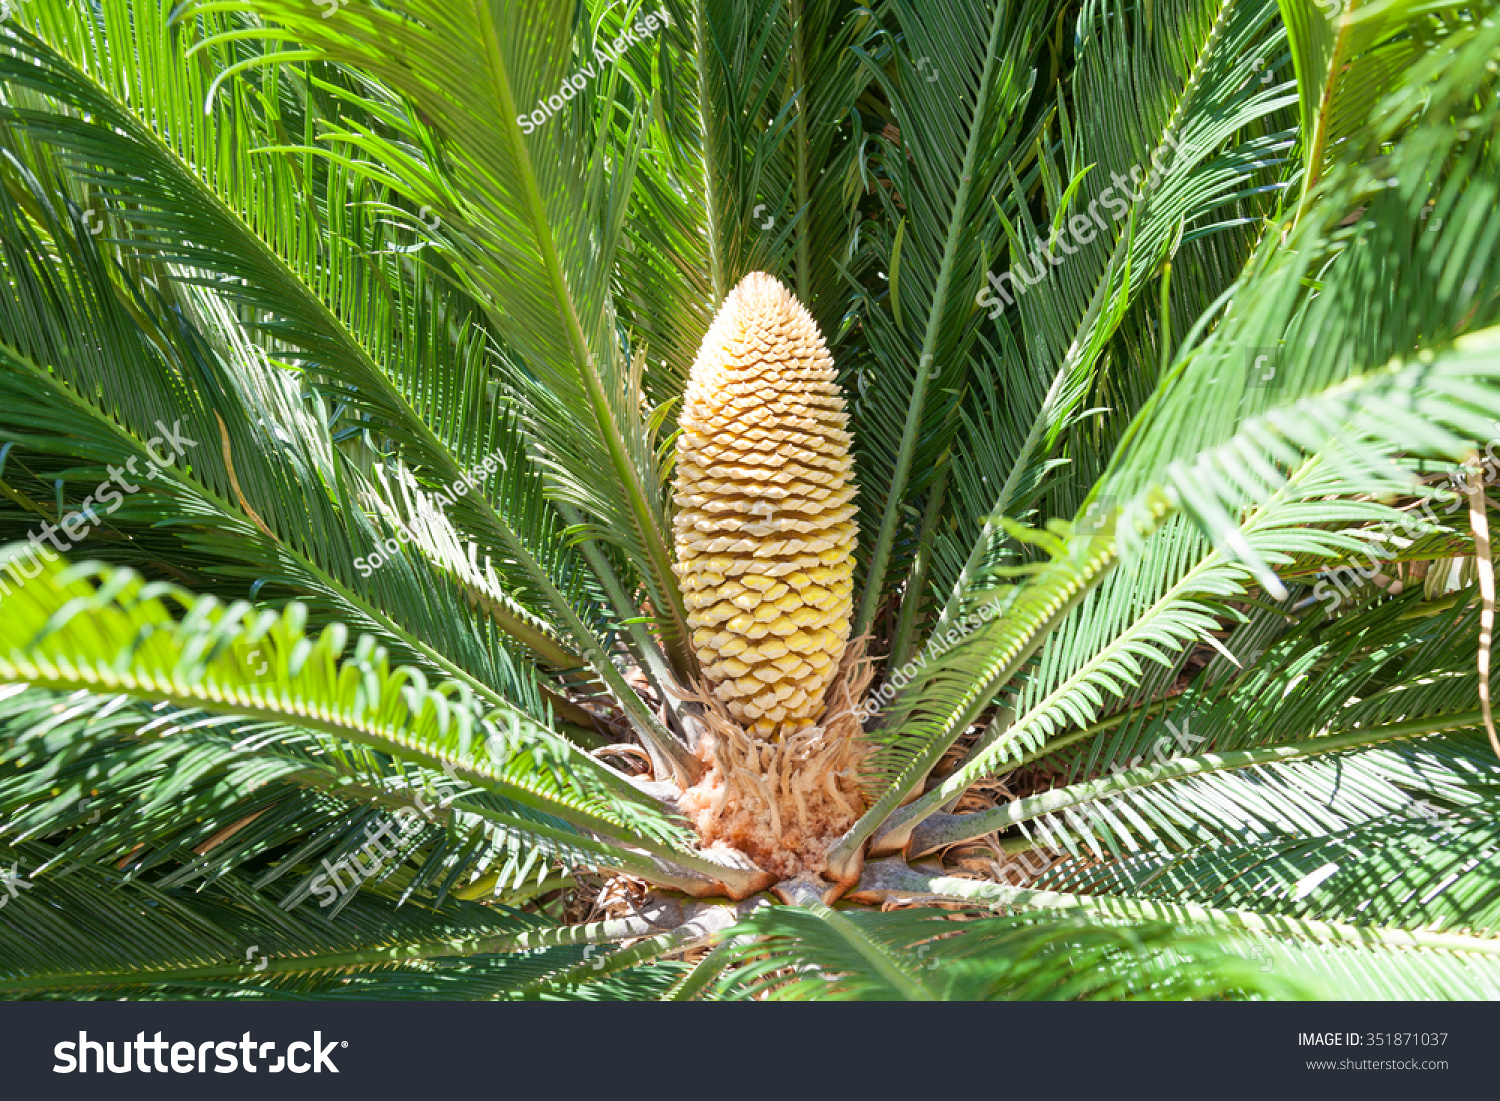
[(759, 287)]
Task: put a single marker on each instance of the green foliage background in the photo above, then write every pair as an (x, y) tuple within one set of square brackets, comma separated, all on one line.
[(330, 245)]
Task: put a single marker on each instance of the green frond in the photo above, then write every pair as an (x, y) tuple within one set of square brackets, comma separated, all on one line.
[(1325, 959), (923, 955), (78, 628), (504, 186)]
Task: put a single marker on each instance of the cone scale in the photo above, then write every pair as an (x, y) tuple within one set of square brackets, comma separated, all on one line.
[(765, 529)]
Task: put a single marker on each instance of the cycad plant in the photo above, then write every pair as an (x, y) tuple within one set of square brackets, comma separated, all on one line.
[(748, 498)]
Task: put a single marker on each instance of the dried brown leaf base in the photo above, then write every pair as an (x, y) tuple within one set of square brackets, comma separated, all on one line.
[(782, 803)]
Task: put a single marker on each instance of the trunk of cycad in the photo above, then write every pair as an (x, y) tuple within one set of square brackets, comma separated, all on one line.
[(765, 538)]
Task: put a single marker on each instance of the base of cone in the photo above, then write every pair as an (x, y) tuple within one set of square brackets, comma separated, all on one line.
[(783, 803)]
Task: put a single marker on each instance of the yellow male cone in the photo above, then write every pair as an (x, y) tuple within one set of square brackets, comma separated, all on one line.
[(764, 529)]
